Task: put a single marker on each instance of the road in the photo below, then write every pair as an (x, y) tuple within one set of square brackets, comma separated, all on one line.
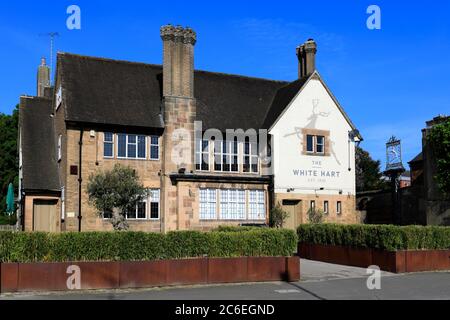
[(320, 281)]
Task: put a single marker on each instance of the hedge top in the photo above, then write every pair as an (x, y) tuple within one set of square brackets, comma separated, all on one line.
[(383, 237), (140, 246)]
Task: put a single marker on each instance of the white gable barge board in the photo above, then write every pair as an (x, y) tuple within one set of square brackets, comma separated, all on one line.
[(313, 108)]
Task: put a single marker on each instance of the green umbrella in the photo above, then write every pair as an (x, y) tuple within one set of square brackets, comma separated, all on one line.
[(10, 200)]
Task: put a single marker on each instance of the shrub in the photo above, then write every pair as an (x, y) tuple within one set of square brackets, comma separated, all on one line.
[(140, 246), (384, 237), (278, 216), (316, 215)]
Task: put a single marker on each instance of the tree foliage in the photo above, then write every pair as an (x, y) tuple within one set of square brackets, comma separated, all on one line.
[(116, 191), (316, 215), (9, 164), (439, 139), (368, 172), (277, 217)]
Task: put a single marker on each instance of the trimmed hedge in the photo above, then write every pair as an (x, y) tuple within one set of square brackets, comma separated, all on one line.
[(383, 237), (140, 246)]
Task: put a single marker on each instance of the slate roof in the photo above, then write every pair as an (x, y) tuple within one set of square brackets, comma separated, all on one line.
[(105, 91), (115, 92), (38, 145)]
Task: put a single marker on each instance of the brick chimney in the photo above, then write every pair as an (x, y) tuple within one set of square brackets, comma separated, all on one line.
[(178, 61), (43, 78), (306, 54)]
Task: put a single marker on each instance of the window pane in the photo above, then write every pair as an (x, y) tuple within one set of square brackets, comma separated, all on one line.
[(108, 137), (132, 138), (310, 143), (154, 210), (208, 202), (257, 205), (154, 152), (121, 145), (141, 147), (108, 150), (155, 140), (141, 210), (131, 151), (320, 144)]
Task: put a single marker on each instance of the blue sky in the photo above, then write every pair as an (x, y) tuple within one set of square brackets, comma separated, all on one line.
[(390, 81)]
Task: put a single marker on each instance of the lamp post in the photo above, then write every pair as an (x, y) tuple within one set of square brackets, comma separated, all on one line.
[(394, 169)]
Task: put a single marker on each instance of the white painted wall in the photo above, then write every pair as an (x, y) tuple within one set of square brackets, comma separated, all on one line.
[(288, 146)]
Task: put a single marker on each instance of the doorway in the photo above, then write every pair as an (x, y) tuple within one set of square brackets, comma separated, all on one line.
[(294, 209), (45, 215)]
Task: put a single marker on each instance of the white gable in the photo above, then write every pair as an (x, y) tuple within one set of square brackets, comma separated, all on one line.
[(314, 108)]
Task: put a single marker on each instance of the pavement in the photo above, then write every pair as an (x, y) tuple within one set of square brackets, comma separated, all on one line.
[(320, 281)]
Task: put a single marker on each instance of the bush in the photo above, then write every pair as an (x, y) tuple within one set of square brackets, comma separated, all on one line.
[(6, 220), (278, 217), (140, 246), (385, 237)]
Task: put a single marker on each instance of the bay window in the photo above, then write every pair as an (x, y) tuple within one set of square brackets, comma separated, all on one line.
[(226, 155), (232, 204), (256, 205), (208, 204)]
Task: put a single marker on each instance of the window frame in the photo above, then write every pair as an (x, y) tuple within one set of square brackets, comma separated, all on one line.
[(208, 204), (151, 201), (339, 208), (199, 151), (227, 152), (136, 217), (152, 145), (250, 156), (326, 207), (235, 201), (317, 144), (312, 205), (112, 142), (259, 195), (127, 143)]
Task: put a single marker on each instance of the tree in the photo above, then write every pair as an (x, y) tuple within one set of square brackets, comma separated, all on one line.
[(316, 216), (368, 172), (278, 217), (439, 139), (116, 192), (9, 162)]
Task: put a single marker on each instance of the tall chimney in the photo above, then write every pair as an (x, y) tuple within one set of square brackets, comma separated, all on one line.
[(306, 54), (178, 61), (43, 78)]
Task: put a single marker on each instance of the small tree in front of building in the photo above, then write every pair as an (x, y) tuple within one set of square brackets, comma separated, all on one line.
[(116, 192), (316, 215), (277, 217), (439, 138)]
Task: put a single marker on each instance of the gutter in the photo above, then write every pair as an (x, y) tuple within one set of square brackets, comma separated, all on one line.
[(80, 178)]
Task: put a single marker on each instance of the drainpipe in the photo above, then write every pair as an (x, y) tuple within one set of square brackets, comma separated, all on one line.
[(80, 178)]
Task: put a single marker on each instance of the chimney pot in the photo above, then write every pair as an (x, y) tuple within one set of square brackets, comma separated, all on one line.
[(306, 54)]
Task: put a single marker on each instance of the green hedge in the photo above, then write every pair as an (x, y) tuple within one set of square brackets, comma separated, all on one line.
[(385, 237), (140, 246)]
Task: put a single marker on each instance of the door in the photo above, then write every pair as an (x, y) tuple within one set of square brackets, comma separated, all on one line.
[(293, 208), (44, 215)]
